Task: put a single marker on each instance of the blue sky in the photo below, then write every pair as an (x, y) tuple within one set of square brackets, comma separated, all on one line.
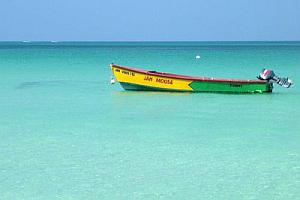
[(151, 20)]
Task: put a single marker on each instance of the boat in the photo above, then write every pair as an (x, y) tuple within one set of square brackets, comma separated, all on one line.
[(144, 80)]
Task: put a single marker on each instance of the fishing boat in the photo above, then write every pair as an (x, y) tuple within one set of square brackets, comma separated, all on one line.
[(144, 80)]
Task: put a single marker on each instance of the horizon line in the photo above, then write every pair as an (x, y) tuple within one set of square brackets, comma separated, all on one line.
[(56, 41)]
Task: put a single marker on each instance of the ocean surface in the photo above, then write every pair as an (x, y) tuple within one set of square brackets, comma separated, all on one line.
[(66, 133)]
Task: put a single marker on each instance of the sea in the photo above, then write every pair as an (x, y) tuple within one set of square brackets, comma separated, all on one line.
[(67, 133)]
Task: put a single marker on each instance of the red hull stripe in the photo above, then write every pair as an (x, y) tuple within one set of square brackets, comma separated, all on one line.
[(167, 75)]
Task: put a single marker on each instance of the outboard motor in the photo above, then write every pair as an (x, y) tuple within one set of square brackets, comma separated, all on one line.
[(269, 75)]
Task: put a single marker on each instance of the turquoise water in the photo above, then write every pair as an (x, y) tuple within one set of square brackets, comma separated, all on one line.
[(66, 133)]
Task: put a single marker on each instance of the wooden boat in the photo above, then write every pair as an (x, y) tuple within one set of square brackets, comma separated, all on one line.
[(138, 79)]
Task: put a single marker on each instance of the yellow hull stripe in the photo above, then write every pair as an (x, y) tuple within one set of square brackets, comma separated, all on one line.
[(133, 77)]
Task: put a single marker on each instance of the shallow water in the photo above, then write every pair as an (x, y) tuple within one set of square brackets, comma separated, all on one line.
[(66, 133)]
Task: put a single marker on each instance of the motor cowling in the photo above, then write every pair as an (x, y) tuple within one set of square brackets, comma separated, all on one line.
[(269, 75)]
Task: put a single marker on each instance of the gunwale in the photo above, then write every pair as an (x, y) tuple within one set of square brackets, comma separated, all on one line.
[(191, 78)]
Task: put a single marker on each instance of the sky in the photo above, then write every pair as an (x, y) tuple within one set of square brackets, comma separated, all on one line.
[(149, 20)]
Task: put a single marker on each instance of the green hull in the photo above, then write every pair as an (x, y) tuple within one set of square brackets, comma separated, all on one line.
[(201, 86)]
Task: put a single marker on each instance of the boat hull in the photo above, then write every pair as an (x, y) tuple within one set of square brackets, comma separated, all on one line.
[(142, 80)]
